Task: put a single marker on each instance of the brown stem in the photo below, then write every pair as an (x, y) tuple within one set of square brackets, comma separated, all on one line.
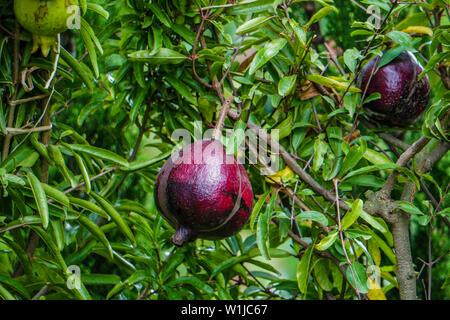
[(221, 120), (405, 269), (182, 236), (292, 163), (8, 137)]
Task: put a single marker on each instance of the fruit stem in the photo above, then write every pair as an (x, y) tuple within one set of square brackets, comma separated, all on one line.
[(221, 120), (182, 235)]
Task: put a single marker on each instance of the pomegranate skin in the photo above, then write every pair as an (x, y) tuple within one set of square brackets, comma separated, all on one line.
[(403, 97), (203, 193)]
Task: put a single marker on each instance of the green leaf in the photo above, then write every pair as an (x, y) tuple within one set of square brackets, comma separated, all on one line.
[(92, 207), (161, 56), (100, 153), (374, 96), (353, 157), (314, 216), (434, 60), (2, 120), (98, 9), (328, 241), (304, 270), (262, 231), (56, 155), (6, 295), (257, 208), (138, 101), (360, 275), (160, 14), (321, 271), (403, 39), (115, 216), (351, 57), (373, 222), (252, 25), (194, 282), (353, 215), (77, 68), (39, 197), (182, 89), (269, 51), (286, 85), (390, 55), (320, 150), (248, 7), (90, 46), (56, 194), (84, 172), (51, 245), (320, 14), (409, 207), (332, 83), (18, 157), (95, 230), (85, 25), (145, 164), (16, 285)]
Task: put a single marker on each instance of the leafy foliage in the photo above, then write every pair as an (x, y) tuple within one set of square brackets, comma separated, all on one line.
[(81, 194)]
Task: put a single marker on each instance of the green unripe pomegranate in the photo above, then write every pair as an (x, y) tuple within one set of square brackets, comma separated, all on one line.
[(45, 19)]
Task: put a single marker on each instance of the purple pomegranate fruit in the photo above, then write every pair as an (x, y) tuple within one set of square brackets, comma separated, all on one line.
[(203, 193), (403, 97)]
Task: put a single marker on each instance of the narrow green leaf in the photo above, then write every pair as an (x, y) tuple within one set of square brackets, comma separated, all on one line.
[(358, 273), (92, 207), (51, 245), (115, 216), (332, 83), (286, 85), (320, 14), (100, 279), (161, 56), (39, 197), (56, 194), (373, 222), (351, 216), (55, 154), (314, 216), (89, 44), (328, 241), (98, 9), (6, 294), (181, 88), (160, 14), (409, 207), (257, 208), (96, 232), (144, 164), (269, 51), (252, 25), (77, 68), (100, 153), (304, 270), (84, 172), (16, 285)]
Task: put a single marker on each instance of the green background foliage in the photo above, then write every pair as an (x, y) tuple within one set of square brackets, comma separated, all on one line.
[(82, 193)]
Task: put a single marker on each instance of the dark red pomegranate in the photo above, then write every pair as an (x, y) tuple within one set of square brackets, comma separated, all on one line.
[(403, 97), (203, 193)]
